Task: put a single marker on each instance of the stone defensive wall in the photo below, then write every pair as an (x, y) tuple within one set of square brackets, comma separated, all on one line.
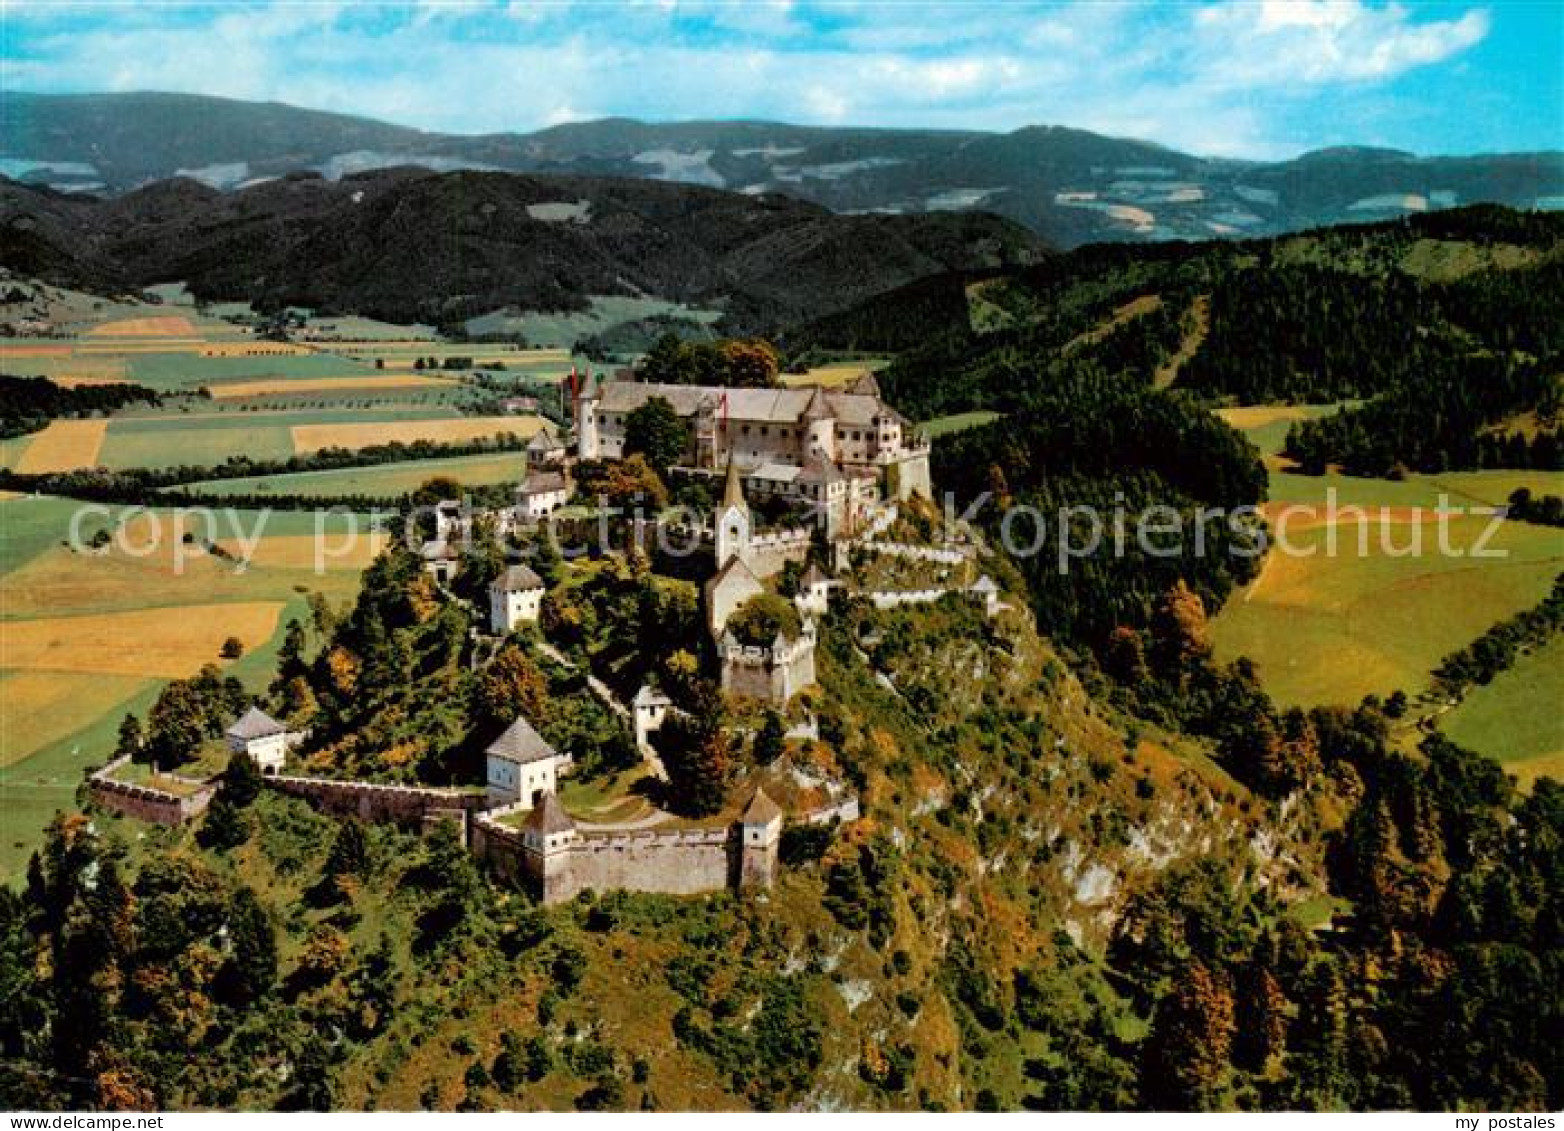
[(145, 803), (678, 862), (374, 801), (944, 555), (891, 598)]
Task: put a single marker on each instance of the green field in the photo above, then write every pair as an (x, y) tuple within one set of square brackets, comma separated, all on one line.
[(187, 370), (211, 437), (957, 422), (1516, 718), (387, 480), (59, 713), (1375, 618), (562, 330)]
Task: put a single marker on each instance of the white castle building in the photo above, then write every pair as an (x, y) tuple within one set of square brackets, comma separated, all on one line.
[(840, 450)]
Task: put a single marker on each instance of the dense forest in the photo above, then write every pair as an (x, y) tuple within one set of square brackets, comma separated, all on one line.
[(279, 958), (1099, 869), (1446, 419), (29, 403)]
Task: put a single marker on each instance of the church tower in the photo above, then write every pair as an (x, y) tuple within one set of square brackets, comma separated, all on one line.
[(732, 521)]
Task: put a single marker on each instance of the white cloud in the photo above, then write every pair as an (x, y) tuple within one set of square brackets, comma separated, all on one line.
[(1323, 41), (1214, 79)]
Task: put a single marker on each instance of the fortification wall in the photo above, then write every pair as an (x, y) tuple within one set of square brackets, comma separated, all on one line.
[(760, 674), (944, 555), (372, 801), (686, 862), (767, 554), (910, 476), (891, 598), (145, 803)]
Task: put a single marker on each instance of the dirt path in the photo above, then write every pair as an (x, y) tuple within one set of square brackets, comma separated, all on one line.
[(1135, 308), (1198, 320)]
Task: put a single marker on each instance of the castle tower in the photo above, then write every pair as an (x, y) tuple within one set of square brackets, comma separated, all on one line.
[(760, 831), (588, 443), (819, 429), (548, 835), (708, 448), (732, 521)]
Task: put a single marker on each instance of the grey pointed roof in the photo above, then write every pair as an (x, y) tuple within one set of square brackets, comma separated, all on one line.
[(735, 572), (549, 816), (865, 385), (812, 577), (521, 743), (544, 441), (518, 578), (817, 408), (543, 482), (649, 696), (733, 487), (985, 584), (762, 810), (817, 470), (255, 723)]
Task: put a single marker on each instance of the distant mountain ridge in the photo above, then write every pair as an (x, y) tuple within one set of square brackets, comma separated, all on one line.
[(1070, 186), (409, 245)]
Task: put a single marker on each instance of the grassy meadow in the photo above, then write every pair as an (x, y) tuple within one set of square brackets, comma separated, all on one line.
[(1376, 617), (562, 329), (85, 638), (1516, 718), (386, 480)]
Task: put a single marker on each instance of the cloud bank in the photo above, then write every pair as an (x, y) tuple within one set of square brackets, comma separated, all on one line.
[(1251, 79)]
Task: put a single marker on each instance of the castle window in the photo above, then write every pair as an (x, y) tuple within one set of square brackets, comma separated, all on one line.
[(764, 431)]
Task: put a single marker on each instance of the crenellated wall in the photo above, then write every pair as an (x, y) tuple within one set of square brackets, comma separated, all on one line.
[(145, 803), (681, 862), (771, 675), (944, 555), (373, 801)]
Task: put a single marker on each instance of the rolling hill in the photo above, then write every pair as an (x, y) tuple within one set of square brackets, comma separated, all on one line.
[(1071, 186), (410, 245)]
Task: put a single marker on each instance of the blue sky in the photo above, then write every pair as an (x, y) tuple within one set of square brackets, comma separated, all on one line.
[(1257, 79)]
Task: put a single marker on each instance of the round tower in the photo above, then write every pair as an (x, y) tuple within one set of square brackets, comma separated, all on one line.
[(588, 443)]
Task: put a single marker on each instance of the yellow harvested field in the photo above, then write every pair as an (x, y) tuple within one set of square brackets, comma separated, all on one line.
[(40, 708), (1258, 416), (13, 350), (834, 376), (277, 385), (423, 347), (455, 430), (171, 643), (162, 326), (63, 446), (76, 379), (254, 349), (297, 551)]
